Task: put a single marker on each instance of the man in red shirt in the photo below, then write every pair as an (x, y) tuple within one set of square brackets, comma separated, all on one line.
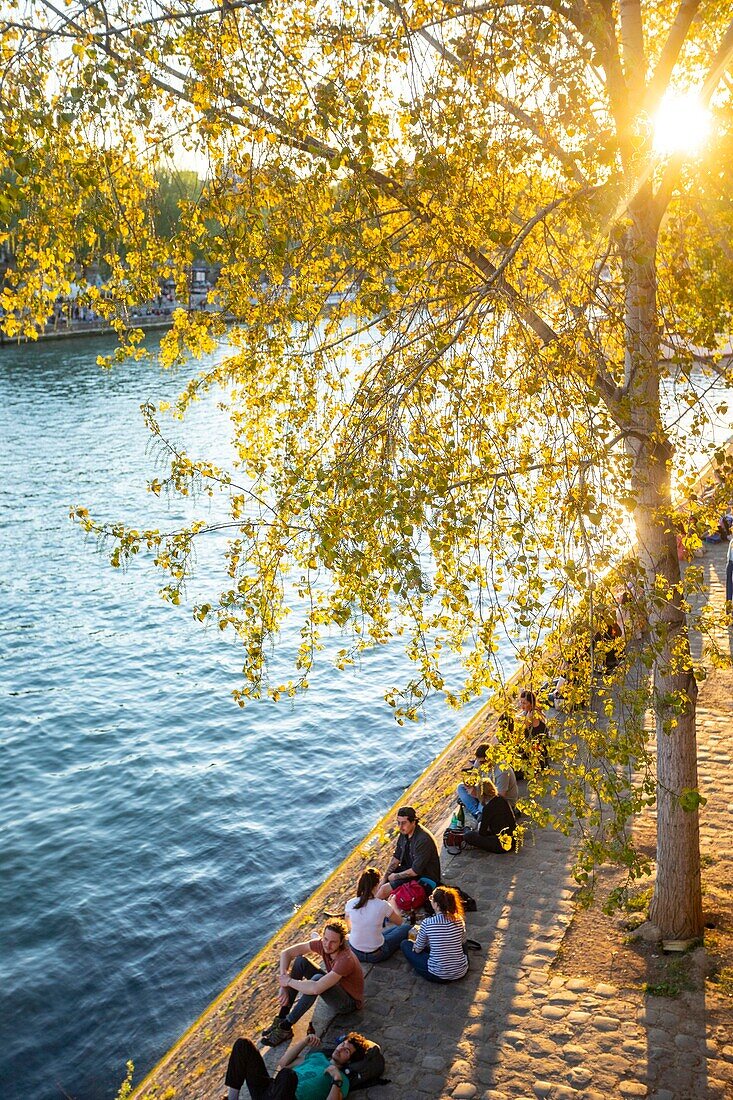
[(339, 982)]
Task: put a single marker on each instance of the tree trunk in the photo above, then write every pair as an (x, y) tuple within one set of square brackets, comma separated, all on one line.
[(677, 903)]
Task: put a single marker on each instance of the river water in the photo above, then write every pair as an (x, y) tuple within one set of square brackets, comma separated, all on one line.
[(153, 834)]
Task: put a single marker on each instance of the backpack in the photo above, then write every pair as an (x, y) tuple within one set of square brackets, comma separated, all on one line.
[(410, 896), (366, 1071), (469, 903)]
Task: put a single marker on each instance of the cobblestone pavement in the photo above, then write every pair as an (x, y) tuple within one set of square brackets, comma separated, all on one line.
[(513, 1029)]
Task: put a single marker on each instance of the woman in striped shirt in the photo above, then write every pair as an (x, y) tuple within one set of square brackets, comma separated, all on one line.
[(438, 953)]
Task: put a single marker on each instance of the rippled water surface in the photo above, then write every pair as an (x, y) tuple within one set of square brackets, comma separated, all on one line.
[(153, 834)]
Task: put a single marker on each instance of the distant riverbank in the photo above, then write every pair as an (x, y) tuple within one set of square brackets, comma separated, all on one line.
[(77, 329)]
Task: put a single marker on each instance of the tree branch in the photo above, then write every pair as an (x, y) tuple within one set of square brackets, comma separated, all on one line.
[(632, 43), (716, 72), (670, 52), (553, 147), (166, 16), (610, 58), (316, 148), (716, 235), (718, 362), (494, 476), (611, 394), (721, 61)]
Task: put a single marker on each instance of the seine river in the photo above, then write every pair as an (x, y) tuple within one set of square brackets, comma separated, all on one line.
[(153, 834)]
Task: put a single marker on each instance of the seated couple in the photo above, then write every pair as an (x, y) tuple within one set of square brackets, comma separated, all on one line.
[(438, 952), (504, 780), (316, 1077), (497, 822)]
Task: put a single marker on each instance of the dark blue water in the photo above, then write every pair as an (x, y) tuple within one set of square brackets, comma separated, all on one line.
[(152, 833)]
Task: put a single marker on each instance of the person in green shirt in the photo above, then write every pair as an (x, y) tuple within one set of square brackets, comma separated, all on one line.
[(316, 1077)]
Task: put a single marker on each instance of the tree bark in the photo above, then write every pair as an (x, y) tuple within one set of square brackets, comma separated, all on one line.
[(677, 902)]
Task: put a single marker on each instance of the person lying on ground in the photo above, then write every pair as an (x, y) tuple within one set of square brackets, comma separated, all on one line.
[(496, 829), (438, 952), (340, 984), (371, 939), (316, 1077), (416, 854)]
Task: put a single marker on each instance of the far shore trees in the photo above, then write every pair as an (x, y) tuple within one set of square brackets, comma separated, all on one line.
[(502, 378)]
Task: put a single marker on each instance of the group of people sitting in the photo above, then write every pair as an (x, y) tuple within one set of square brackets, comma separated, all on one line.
[(373, 929)]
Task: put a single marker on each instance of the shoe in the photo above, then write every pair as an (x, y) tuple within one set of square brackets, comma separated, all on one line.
[(279, 1032), (274, 1033)]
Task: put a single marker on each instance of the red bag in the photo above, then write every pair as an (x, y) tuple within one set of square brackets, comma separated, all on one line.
[(410, 896)]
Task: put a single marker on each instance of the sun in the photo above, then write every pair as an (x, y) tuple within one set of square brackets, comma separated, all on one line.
[(681, 125)]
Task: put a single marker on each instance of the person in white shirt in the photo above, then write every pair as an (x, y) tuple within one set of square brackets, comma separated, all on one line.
[(371, 938)]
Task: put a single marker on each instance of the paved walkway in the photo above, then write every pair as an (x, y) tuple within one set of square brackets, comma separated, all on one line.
[(513, 1028)]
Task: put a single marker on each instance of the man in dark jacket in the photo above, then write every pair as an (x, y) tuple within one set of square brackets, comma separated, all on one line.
[(416, 855)]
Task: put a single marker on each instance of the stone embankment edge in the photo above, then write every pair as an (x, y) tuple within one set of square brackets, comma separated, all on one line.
[(428, 793)]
